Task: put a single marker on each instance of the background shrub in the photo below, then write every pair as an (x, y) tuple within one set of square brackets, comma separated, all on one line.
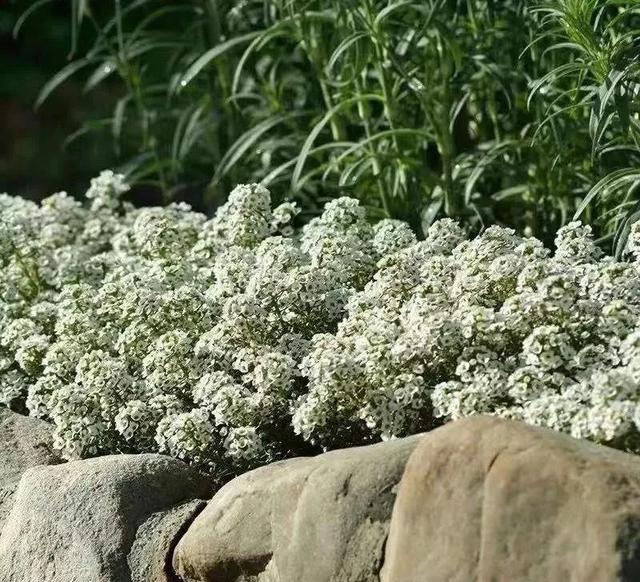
[(510, 112)]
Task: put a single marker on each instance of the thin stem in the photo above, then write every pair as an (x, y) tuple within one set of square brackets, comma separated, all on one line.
[(377, 172), (133, 82), (389, 101), (309, 42)]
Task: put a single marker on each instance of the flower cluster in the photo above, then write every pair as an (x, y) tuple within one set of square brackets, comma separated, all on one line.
[(498, 325), (234, 340), (158, 329)]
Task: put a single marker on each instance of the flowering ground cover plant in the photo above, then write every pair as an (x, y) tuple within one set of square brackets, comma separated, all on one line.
[(231, 341)]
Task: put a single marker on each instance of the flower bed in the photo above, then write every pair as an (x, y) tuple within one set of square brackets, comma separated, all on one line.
[(233, 341)]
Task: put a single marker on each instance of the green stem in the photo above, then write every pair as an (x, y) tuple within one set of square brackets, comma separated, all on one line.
[(377, 171), (220, 82), (132, 80), (314, 54), (337, 127), (389, 103), (452, 205)]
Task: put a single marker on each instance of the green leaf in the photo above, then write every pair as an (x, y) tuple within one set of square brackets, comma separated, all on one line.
[(343, 47), (26, 14), (60, 77), (382, 135), (278, 171), (388, 10), (79, 8), (248, 139), (613, 180), (318, 127), (87, 127), (193, 128), (104, 70), (264, 37), (117, 120), (205, 59)]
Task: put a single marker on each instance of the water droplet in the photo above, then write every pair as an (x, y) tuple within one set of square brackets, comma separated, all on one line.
[(416, 84)]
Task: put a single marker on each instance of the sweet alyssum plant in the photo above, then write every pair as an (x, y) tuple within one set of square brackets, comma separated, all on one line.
[(231, 341)]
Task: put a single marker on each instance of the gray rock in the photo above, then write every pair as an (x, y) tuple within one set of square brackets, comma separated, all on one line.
[(151, 553), (315, 519), (78, 522), (492, 500), (24, 443)]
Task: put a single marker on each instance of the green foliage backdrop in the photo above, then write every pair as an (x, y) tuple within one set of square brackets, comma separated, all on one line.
[(512, 112)]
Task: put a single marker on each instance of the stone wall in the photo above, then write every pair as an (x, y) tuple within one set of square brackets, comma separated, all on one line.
[(482, 499)]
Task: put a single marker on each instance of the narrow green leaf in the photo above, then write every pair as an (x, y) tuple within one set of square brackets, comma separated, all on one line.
[(26, 14), (613, 180), (248, 139), (388, 10), (104, 70), (205, 59), (318, 127), (343, 47), (60, 77), (118, 119)]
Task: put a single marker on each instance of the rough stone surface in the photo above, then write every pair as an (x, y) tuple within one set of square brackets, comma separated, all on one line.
[(485, 500), (24, 443), (480, 500), (316, 519), (77, 522), (150, 556)]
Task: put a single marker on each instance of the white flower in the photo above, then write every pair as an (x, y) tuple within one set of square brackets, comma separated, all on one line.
[(574, 243), (245, 444), (30, 352), (189, 436), (218, 341), (633, 240), (282, 218), (13, 387), (38, 401), (106, 190), (390, 236)]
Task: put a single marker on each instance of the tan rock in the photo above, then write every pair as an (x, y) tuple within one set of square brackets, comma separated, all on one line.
[(315, 519), (491, 500)]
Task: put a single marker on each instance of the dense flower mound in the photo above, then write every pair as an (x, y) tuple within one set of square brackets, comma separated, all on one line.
[(232, 341)]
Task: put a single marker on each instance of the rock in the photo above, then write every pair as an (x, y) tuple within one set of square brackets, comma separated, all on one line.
[(482, 499), (485, 499), (150, 556), (316, 519), (78, 522), (24, 443)]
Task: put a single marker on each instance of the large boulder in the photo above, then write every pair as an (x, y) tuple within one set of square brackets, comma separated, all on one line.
[(316, 519), (24, 443), (79, 522), (485, 499), (482, 499)]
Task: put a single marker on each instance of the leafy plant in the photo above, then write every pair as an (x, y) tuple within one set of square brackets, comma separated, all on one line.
[(593, 79), (490, 112)]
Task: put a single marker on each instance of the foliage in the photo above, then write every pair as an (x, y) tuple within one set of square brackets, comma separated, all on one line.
[(492, 112), (236, 340), (598, 86), (34, 139)]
